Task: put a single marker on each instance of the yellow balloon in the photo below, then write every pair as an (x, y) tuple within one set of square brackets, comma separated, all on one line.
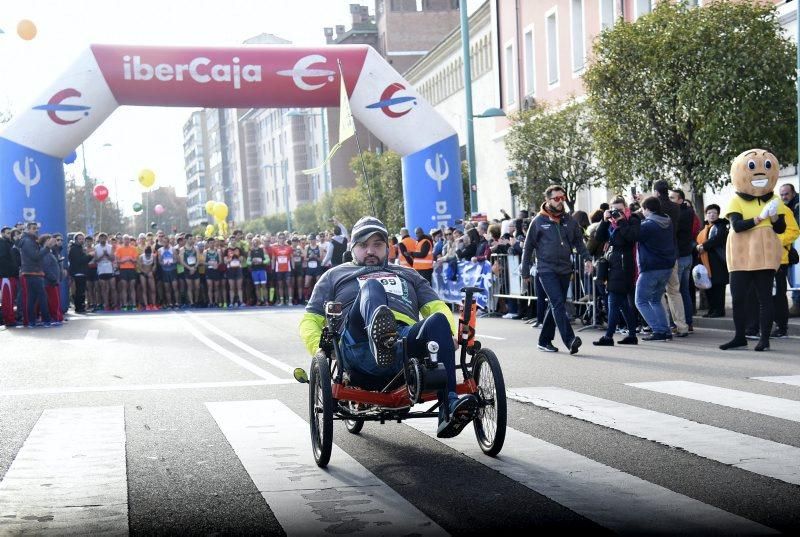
[(210, 207), (26, 29), (209, 231), (220, 210), (147, 178)]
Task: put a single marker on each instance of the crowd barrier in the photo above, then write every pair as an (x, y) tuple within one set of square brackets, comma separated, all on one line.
[(450, 278)]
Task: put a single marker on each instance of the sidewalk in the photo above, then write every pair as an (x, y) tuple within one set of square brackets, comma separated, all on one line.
[(726, 323)]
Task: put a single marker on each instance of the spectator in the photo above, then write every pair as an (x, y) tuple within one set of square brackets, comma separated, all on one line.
[(32, 277), (438, 243), (470, 245), (656, 258), (9, 274), (52, 278), (674, 298), (582, 219), (781, 304), (620, 228), (338, 243), (711, 248), (78, 270), (791, 199), (685, 241), (406, 247), (423, 255), (553, 234)]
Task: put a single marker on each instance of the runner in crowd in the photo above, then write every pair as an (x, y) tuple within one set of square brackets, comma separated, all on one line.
[(233, 260), (282, 267), (259, 259)]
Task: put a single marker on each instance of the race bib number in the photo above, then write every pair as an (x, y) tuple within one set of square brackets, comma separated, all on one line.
[(312, 264), (213, 264), (167, 261), (282, 259), (297, 259), (235, 263), (257, 260), (192, 260), (390, 282)]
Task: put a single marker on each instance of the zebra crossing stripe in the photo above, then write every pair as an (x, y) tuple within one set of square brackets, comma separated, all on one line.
[(749, 453), (69, 477), (793, 380), (612, 498), (274, 445), (752, 402)]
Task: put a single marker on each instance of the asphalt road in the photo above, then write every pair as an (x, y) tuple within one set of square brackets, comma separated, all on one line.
[(163, 423)]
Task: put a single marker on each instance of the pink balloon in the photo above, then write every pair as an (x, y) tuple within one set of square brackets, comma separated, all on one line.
[(100, 193), (159, 209)]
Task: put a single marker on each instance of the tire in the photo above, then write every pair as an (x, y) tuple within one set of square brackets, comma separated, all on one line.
[(490, 422), (320, 410), (354, 426)]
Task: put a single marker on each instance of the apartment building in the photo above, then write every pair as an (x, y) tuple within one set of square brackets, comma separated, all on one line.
[(195, 156)]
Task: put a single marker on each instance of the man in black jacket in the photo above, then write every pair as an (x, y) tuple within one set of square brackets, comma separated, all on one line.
[(9, 272), (553, 234), (674, 298), (686, 242), (78, 267)]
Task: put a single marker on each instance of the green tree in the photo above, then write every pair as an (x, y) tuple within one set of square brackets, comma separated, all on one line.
[(386, 183), (304, 218), (680, 92), (552, 145)]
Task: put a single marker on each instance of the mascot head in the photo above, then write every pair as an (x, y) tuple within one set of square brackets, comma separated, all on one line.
[(754, 172)]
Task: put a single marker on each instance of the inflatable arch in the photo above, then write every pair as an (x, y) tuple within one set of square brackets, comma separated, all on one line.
[(35, 142)]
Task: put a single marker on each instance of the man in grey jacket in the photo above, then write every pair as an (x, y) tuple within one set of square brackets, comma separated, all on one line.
[(553, 234), (32, 277)]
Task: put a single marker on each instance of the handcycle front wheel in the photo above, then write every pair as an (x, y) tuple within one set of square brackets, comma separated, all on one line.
[(490, 421), (320, 409), (354, 426)]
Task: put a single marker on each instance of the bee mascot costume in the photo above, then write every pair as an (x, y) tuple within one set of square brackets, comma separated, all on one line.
[(754, 250)]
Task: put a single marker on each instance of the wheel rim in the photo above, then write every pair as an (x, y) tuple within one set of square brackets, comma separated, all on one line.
[(487, 414), (318, 410)]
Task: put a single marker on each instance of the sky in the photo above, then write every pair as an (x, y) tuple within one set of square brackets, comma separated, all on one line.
[(134, 138)]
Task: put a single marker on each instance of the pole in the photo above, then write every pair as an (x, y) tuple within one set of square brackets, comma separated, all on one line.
[(797, 73), (285, 170), (473, 193), (86, 202), (325, 143)]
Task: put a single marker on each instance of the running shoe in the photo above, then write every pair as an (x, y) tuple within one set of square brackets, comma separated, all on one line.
[(462, 412), (382, 335)]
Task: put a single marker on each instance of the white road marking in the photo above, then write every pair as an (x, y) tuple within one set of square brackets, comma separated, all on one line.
[(273, 444), (742, 451), (793, 380), (489, 337), (752, 402), (91, 336), (238, 360), (69, 477), (242, 345), (144, 387), (612, 498)]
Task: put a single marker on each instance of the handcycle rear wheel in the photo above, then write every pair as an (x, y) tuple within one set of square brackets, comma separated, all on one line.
[(490, 422), (320, 410)]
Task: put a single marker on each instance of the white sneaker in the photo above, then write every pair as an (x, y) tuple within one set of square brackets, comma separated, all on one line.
[(508, 316)]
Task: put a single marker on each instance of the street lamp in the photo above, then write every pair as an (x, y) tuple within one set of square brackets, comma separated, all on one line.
[(325, 141)]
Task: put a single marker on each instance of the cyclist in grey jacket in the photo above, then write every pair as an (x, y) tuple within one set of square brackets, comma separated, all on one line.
[(553, 234)]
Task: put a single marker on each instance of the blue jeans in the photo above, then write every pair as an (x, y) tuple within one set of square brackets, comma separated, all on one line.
[(556, 286), (34, 288), (618, 305), (356, 354), (650, 288), (684, 274)]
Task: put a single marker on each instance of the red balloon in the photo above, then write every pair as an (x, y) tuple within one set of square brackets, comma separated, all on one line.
[(100, 193)]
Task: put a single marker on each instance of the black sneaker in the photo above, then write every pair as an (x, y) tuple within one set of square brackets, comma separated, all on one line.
[(752, 335), (734, 344), (779, 334), (462, 412), (547, 347), (575, 345), (657, 337), (629, 340), (382, 331), (604, 341)]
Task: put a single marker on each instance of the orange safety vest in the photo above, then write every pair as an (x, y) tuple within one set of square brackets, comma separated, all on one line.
[(411, 246), (424, 263)]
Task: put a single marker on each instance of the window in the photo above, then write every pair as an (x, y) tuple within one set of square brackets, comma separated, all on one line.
[(606, 14), (578, 54), (530, 66), (511, 87), (643, 7), (552, 49)]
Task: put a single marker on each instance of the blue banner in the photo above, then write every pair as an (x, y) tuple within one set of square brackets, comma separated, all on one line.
[(31, 188), (432, 187), (451, 278)]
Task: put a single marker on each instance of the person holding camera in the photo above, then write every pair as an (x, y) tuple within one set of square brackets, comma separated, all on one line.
[(553, 235), (620, 228)]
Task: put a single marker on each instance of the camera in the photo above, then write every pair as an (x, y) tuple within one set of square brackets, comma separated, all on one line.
[(616, 213)]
